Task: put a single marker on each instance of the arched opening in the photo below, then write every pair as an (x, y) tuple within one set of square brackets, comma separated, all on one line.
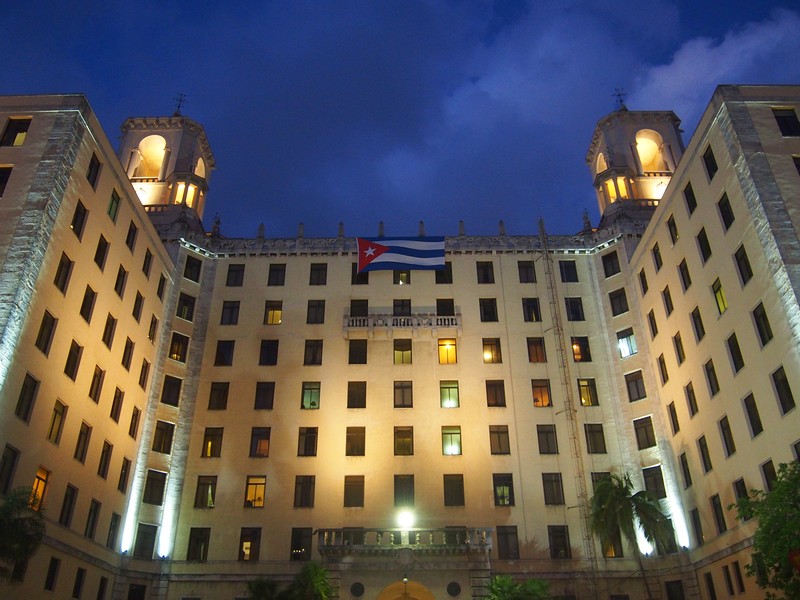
[(412, 590), (600, 164), (200, 168), (650, 146), (150, 157)]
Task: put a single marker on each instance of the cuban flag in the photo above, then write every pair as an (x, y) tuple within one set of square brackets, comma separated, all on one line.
[(400, 254)]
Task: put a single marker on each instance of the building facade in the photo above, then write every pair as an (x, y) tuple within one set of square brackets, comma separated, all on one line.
[(196, 411)]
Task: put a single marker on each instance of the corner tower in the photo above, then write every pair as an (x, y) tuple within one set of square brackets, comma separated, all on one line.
[(168, 160), (632, 157)]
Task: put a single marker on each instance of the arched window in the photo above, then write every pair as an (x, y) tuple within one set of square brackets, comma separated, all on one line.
[(601, 164), (150, 156), (650, 146), (200, 168)]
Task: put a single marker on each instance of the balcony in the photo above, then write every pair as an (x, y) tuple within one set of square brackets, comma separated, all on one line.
[(416, 321), (446, 541)]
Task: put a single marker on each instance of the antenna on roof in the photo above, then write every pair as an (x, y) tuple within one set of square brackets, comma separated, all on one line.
[(620, 94), (180, 100)]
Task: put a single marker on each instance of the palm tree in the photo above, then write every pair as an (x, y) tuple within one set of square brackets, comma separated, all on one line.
[(616, 509), (262, 589), (22, 525), (503, 587), (311, 583)]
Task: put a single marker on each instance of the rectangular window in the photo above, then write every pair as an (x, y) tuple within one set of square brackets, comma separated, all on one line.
[(453, 490), (553, 489), (223, 357), (315, 312), (530, 310), (743, 265), (726, 433), (719, 514), (277, 275), (687, 474), (212, 442), (786, 118), (672, 229), (268, 353), (568, 270), (353, 491), (704, 245), (683, 272), (313, 353), (199, 540), (47, 329), (403, 394), (249, 544), (191, 270), (697, 526), (498, 439), (662, 368), (710, 163), (273, 312), (255, 491), (124, 472), (488, 309), (769, 475), (503, 485), (108, 331), (783, 390), (357, 278), (643, 282), (403, 441), (558, 537), (540, 390), (574, 307), (119, 283), (626, 343), (645, 434), (677, 342), (144, 372), (235, 276), (162, 282), (130, 238), (689, 197), (507, 542), (705, 456), (265, 395), (179, 347), (580, 349), (259, 442), (485, 271), (763, 327), (491, 351), (87, 305), (691, 398), (611, 264), (113, 531), (536, 350), (595, 440), (154, 487), (56, 423), (16, 131), (101, 252), (318, 274), (444, 275), (654, 482), (495, 392), (711, 378), (635, 383), (79, 218), (105, 459), (5, 175), (147, 263), (726, 212), (162, 437), (445, 307), (587, 391), (451, 440), (355, 441), (402, 352), (666, 296), (218, 395), (402, 277), (63, 272), (548, 442), (448, 394), (310, 397), (356, 394), (697, 324), (403, 490), (82, 443), (301, 543), (619, 302), (527, 272), (447, 352), (401, 307), (657, 260), (206, 491), (171, 390), (307, 441), (52, 574), (673, 418), (185, 309), (735, 353), (230, 313)]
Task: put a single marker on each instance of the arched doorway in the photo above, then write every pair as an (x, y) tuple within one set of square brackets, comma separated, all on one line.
[(413, 590)]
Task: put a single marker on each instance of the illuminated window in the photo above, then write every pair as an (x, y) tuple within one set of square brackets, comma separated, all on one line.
[(249, 544), (536, 350), (179, 347), (540, 389), (503, 485), (587, 390), (212, 442), (310, 398), (205, 491), (626, 343), (498, 439), (259, 442), (491, 351), (185, 308), (162, 437), (495, 392), (451, 440), (273, 312), (580, 349), (255, 491), (39, 487), (16, 131), (447, 352), (448, 394), (402, 352), (530, 310), (401, 277)]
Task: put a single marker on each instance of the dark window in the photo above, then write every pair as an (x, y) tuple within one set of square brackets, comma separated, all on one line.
[(654, 482), (312, 354), (78, 219), (680, 354), (705, 456), (64, 270), (8, 465), (445, 275), (666, 295), (218, 395), (223, 357), (727, 436), (47, 329), (673, 418), (558, 537), (401, 308), (259, 442), (52, 574), (404, 490), (743, 265), (643, 282), (553, 489), (662, 368), (133, 428), (786, 119), (719, 514), (356, 394), (318, 274), (735, 352), (568, 270), (277, 275), (130, 238), (710, 163), (354, 491), (212, 442), (403, 394), (762, 324), (769, 474), (96, 385), (171, 390), (672, 228), (498, 439), (265, 395), (268, 355), (485, 271), (230, 313), (113, 531), (503, 485), (403, 441), (527, 272), (147, 263), (697, 526), (453, 490), (199, 540), (235, 277), (651, 321), (635, 383), (495, 392), (687, 474), (536, 350), (315, 312), (709, 579), (611, 264), (595, 440), (491, 351), (301, 544), (138, 302), (530, 310), (548, 442), (73, 361), (185, 308), (191, 270), (445, 307), (783, 391), (307, 441), (645, 434), (154, 487), (704, 245), (711, 378), (488, 309), (101, 252), (580, 349), (5, 175), (310, 395), (657, 261), (162, 437), (689, 197), (691, 398), (726, 212), (697, 324), (574, 308), (119, 283), (686, 278), (619, 302), (124, 472), (178, 348), (105, 459), (16, 131), (355, 441), (507, 542), (87, 304), (357, 278)]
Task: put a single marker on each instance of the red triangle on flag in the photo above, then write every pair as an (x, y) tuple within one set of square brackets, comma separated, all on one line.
[(368, 251)]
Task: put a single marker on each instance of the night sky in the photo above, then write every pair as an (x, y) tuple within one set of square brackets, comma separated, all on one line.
[(396, 111)]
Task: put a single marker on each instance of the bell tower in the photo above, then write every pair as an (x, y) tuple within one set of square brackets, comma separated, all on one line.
[(632, 157), (168, 160)]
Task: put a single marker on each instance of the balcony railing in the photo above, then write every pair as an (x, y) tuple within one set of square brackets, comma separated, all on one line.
[(413, 321), (372, 541)]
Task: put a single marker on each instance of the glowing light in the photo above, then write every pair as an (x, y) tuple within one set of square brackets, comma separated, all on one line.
[(405, 519)]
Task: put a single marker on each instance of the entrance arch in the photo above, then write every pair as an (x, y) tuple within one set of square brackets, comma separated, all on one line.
[(413, 590)]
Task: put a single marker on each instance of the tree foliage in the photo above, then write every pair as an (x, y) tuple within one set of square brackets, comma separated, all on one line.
[(778, 533), (310, 583), (21, 529), (503, 587), (262, 589)]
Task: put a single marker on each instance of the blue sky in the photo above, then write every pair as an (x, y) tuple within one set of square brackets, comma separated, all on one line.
[(396, 111)]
